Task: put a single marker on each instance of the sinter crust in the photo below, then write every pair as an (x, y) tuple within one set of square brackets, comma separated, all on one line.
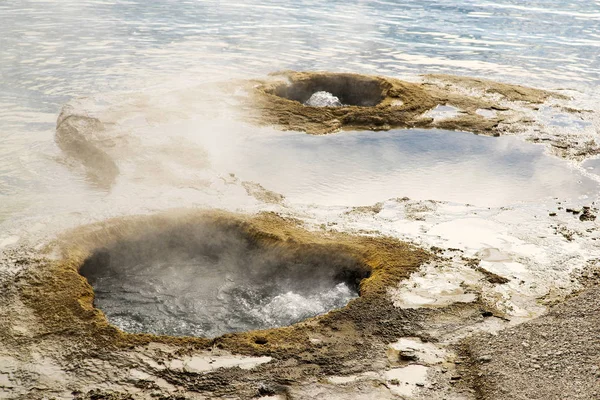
[(382, 103), (62, 299)]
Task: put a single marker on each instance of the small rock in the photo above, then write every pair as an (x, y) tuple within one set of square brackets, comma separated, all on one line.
[(484, 359), (587, 216)]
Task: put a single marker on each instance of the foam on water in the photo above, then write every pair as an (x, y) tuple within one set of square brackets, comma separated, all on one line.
[(193, 305), (323, 99), (290, 307)]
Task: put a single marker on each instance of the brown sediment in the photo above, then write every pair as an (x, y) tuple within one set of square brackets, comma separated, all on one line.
[(507, 91), (63, 299), (53, 305), (349, 340), (258, 191), (492, 277), (381, 103)]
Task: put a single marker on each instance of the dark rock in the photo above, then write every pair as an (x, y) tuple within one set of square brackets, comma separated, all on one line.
[(587, 215)]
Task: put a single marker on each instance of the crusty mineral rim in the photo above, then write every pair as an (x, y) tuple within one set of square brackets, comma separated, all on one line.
[(63, 299), (381, 103)]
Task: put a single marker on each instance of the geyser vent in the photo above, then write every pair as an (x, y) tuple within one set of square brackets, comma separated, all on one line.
[(213, 278), (350, 89)]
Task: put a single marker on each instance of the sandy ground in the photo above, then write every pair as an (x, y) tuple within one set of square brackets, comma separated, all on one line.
[(555, 356)]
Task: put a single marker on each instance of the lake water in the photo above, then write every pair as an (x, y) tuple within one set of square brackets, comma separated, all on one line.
[(362, 168), (53, 51)]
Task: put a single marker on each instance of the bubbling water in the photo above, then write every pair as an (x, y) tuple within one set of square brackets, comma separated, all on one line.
[(207, 280), (323, 99)]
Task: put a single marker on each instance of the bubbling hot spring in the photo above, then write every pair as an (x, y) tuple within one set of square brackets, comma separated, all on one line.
[(323, 99), (210, 279), (334, 91)]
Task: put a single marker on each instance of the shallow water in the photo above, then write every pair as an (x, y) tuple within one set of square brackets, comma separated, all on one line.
[(362, 168), (440, 113), (55, 49), (592, 166)]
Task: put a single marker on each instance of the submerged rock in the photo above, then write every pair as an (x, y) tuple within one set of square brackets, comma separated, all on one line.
[(79, 137)]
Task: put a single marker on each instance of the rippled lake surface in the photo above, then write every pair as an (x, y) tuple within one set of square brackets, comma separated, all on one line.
[(53, 51)]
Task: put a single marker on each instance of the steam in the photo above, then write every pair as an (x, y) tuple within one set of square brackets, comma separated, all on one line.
[(209, 279)]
